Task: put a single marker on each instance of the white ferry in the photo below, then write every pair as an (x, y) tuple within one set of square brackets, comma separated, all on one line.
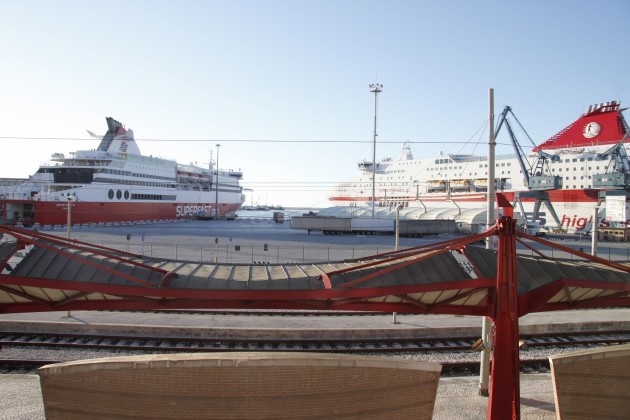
[(116, 183), (557, 184)]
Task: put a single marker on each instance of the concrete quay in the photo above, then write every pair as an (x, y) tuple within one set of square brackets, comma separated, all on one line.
[(303, 326)]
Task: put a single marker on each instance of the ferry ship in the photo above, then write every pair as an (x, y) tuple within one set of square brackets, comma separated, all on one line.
[(555, 185), (116, 183)]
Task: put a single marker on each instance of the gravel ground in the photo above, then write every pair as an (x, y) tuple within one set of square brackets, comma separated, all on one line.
[(20, 397)]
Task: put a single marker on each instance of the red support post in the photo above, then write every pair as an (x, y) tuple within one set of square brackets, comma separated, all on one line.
[(505, 399)]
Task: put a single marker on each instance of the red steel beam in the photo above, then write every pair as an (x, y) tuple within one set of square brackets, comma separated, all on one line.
[(588, 257), (505, 399), (78, 245)]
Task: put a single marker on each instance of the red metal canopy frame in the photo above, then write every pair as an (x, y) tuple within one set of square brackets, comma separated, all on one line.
[(73, 275)]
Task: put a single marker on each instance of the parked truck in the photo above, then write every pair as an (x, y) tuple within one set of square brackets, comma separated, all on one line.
[(330, 225)]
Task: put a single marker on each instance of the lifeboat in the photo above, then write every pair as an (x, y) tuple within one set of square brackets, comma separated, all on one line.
[(460, 184), (436, 186)]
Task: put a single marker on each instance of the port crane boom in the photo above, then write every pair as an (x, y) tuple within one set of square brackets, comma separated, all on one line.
[(538, 176)]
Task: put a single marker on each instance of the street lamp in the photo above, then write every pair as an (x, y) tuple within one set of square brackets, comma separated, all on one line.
[(398, 209), (375, 88), (216, 203), (69, 222)]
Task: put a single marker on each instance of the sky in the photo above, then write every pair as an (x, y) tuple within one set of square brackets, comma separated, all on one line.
[(283, 85)]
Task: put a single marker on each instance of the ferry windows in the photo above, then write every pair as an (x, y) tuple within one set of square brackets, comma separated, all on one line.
[(110, 194), (119, 194), (126, 195)]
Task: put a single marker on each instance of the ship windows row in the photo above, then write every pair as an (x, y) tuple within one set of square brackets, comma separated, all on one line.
[(481, 165), (134, 196), (130, 182), (152, 197), (136, 175), (119, 194), (590, 168)]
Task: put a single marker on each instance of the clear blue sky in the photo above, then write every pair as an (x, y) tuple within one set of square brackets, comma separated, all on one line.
[(283, 85)]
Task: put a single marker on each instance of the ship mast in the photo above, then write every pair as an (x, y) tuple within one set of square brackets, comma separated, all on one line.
[(375, 88)]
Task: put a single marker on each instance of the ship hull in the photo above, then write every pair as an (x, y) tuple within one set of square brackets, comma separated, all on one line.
[(574, 208), (48, 213)]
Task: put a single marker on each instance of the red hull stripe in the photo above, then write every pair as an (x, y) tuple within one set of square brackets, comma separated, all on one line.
[(56, 213), (561, 196)]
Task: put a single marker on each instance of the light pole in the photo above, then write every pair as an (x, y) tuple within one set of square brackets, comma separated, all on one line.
[(487, 334), (375, 88), (69, 222), (398, 209), (216, 202)]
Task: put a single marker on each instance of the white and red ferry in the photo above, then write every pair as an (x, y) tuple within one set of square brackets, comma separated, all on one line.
[(116, 183), (557, 184)]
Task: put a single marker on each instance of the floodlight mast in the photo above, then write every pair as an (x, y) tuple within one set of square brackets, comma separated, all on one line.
[(375, 88), (216, 196)]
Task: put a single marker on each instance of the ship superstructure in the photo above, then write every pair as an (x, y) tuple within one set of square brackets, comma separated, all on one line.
[(568, 170), (116, 183)]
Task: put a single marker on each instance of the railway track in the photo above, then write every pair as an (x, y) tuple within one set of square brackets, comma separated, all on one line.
[(449, 368), (259, 312), (449, 352), (371, 345)]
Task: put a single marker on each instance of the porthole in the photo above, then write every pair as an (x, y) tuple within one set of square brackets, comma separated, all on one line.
[(119, 194), (126, 195), (110, 194)]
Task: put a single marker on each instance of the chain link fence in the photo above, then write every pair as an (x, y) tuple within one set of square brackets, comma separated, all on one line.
[(260, 253)]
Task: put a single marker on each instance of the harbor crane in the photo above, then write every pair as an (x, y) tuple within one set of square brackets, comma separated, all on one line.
[(618, 170), (538, 177)]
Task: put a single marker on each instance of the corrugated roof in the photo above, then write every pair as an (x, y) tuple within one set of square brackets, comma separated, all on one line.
[(59, 275)]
